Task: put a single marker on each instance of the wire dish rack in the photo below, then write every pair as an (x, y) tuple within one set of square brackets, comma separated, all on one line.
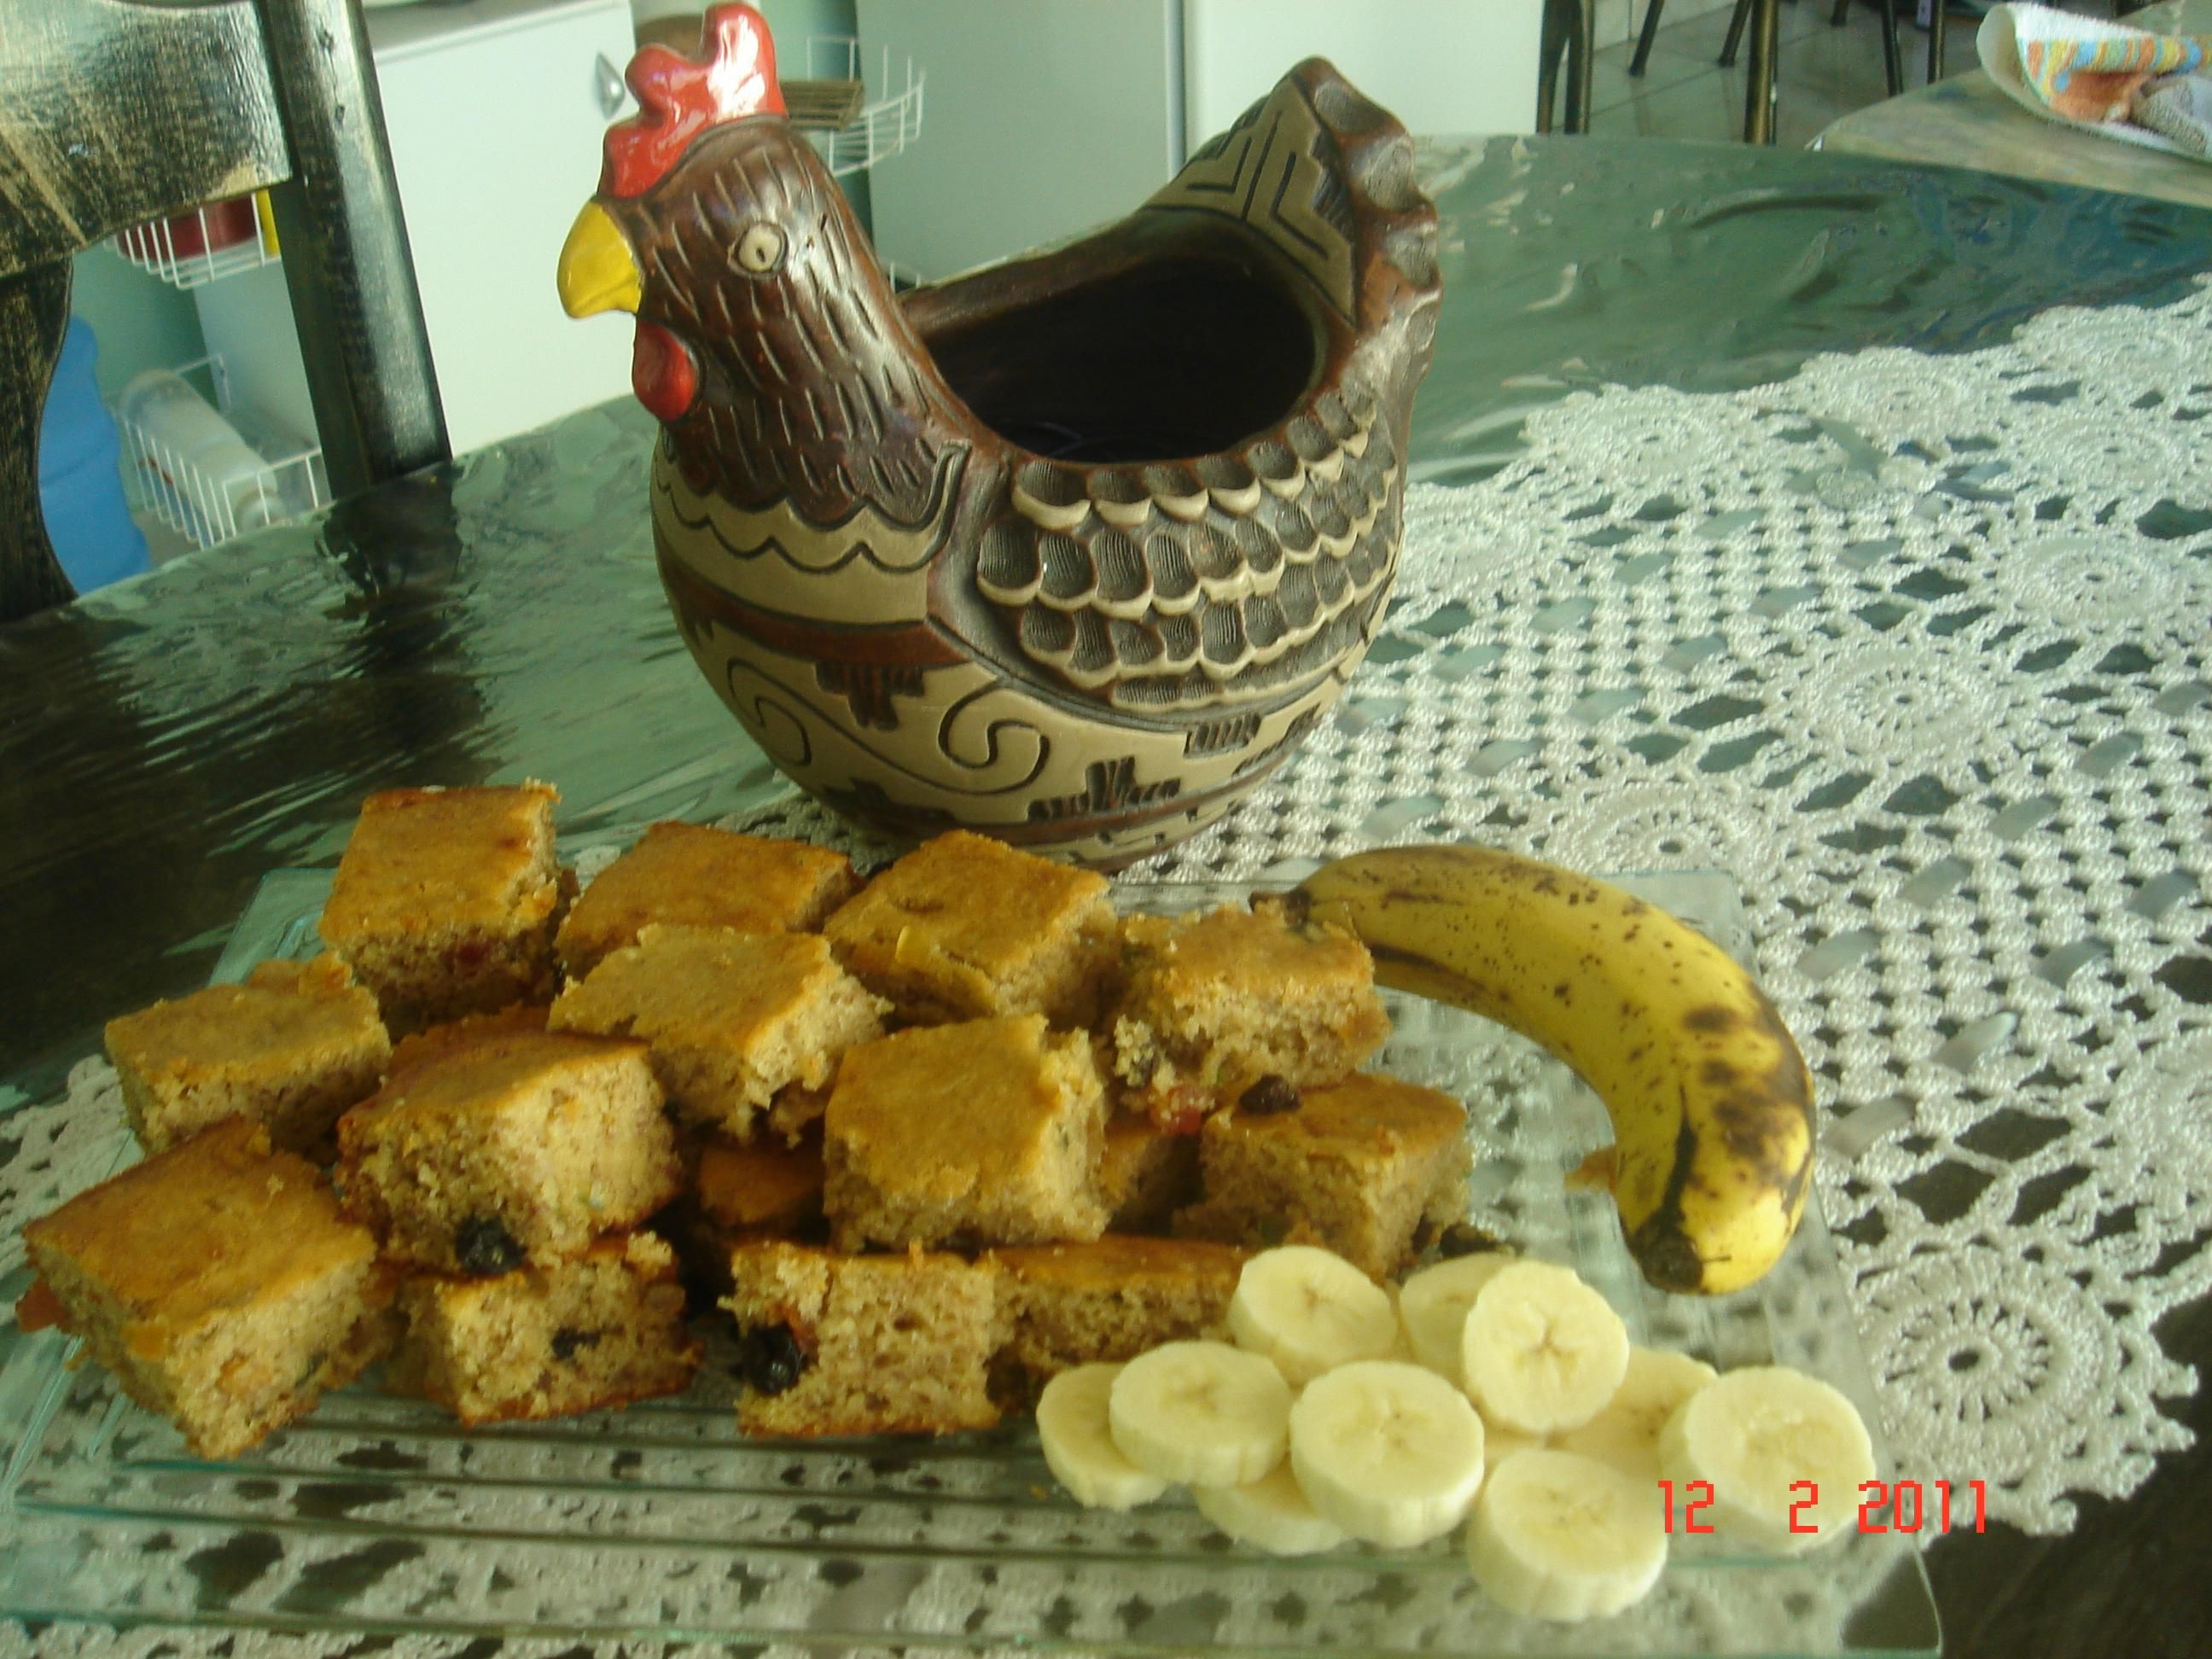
[(190, 250), (853, 120), (163, 480)]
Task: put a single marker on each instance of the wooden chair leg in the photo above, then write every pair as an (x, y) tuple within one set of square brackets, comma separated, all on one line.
[(1841, 15), (1645, 36), (1936, 13), (1893, 57), (1551, 48)]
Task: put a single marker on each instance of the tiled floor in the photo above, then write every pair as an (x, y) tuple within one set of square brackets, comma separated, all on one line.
[(1823, 73)]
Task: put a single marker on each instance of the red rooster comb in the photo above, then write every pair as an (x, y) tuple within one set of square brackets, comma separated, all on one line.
[(679, 98)]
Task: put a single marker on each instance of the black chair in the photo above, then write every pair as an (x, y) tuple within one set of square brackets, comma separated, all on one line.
[(1568, 25), (1759, 115), (113, 113)]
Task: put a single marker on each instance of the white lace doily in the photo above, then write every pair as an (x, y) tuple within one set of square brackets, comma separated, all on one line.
[(1914, 647)]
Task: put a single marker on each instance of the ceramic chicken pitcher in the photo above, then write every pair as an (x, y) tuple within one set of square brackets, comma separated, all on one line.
[(1073, 550)]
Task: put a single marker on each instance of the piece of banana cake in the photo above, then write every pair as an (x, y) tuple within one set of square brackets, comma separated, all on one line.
[(600, 1331), (291, 1049), (691, 874), (1148, 1173), (964, 927), (1062, 1305), (731, 1019), (759, 1189), (831, 1344), (1354, 1167), (219, 1282), (989, 1132), (520, 1145), (445, 901), (1214, 1004)]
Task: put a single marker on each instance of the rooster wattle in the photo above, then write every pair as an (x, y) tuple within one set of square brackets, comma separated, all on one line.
[(1073, 549)]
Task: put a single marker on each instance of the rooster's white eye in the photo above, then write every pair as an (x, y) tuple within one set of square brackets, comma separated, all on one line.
[(760, 249)]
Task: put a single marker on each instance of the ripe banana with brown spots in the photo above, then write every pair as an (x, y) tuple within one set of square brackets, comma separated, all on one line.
[(1710, 1101)]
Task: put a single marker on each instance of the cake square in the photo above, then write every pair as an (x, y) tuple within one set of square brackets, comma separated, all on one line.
[(837, 1345), (989, 1132), (445, 901), (520, 1145), (1062, 1305), (1215, 1004), (759, 1189), (763, 1188), (1354, 1167), (689, 874), (1147, 1175), (964, 927), (731, 1020), (585, 1335), (291, 1049), (219, 1282)]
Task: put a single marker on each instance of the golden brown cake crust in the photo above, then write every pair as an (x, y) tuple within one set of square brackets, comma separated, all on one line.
[(691, 874), (219, 1284), (964, 927), (445, 901), (292, 1047), (731, 1018), (762, 1188), (218, 1221), (991, 1131)]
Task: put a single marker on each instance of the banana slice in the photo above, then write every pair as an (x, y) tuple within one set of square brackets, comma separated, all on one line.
[(1078, 1446), (1310, 1310), (1204, 1412), (1390, 1452), (1272, 1513), (1785, 1454), (1542, 1351), (1432, 1305), (1626, 1434), (1556, 1535)]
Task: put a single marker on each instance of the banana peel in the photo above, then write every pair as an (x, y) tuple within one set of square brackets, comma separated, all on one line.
[(1710, 1100)]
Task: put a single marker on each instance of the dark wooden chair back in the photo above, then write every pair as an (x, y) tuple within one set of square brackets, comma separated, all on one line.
[(113, 113)]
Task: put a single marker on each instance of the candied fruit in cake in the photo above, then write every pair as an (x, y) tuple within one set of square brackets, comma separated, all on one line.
[(1355, 1168), (218, 1281), (445, 901), (520, 1146), (1062, 1305), (964, 927), (600, 1331), (989, 1132), (731, 1020), (1213, 1004), (692, 875), (290, 1048), (831, 1344)]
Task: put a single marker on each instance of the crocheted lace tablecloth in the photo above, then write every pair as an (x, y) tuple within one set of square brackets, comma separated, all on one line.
[(1915, 648)]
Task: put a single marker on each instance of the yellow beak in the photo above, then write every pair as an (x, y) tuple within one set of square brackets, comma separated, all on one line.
[(598, 271)]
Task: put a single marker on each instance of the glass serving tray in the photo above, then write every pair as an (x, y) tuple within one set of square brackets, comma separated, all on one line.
[(378, 1513)]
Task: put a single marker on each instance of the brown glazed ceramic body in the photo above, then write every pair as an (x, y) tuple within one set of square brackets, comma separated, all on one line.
[(1073, 550)]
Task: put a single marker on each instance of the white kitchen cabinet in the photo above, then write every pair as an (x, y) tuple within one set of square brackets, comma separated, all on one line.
[(1049, 117), (494, 111)]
